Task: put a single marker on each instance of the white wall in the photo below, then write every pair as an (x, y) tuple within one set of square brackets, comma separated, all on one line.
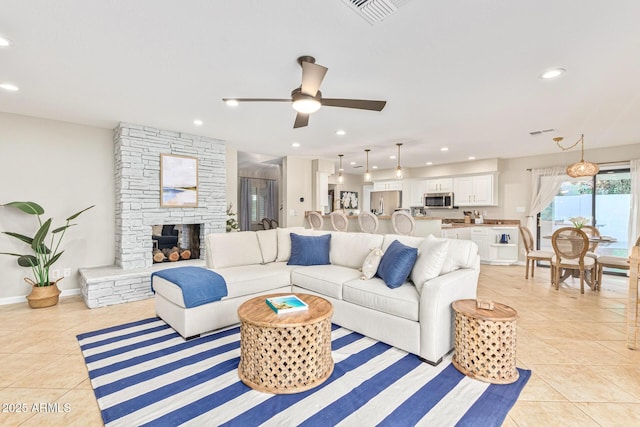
[(63, 167), (297, 183), (232, 178)]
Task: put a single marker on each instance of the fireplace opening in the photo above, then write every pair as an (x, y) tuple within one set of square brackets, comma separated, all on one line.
[(175, 242)]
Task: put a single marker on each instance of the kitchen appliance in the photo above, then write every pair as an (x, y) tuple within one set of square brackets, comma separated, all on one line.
[(504, 238), (438, 200), (385, 202)]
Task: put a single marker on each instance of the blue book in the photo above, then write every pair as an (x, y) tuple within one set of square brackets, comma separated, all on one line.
[(286, 304)]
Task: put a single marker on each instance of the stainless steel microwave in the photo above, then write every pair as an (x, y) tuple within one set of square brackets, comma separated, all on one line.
[(438, 200)]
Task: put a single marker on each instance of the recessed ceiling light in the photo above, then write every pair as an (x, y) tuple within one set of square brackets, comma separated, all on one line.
[(392, 157), (552, 73), (471, 157), (295, 145), (10, 87), (198, 122), (341, 132), (4, 42), (429, 163), (444, 149), (352, 163), (374, 167), (232, 102)]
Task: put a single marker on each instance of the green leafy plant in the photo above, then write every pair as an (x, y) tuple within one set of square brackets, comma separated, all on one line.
[(45, 244), (232, 224)]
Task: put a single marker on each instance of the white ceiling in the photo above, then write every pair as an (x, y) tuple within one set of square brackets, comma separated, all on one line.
[(455, 73)]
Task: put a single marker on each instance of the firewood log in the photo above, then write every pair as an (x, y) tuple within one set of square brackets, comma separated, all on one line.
[(185, 254), (158, 256), (174, 255)]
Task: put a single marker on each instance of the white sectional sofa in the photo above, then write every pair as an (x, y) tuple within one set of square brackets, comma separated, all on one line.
[(415, 317)]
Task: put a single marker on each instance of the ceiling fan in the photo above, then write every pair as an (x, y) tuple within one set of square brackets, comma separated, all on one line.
[(308, 99)]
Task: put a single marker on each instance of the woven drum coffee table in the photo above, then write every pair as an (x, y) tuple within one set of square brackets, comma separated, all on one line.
[(485, 342), (286, 353)]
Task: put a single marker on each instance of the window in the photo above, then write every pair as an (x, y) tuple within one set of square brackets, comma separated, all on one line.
[(258, 197)]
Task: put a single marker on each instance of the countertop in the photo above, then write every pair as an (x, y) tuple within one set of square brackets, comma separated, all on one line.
[(486, 223), (382, 217)]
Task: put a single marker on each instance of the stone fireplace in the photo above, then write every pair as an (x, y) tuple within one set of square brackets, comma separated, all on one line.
[(137, 201)]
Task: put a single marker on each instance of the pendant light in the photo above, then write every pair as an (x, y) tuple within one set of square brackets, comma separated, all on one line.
[(399, 168), (367, 174), (340, 177), (581, 168)]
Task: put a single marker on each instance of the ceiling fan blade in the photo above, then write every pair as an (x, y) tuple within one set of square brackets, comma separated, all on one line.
[(361, 104), (257, 99), (312, 76), (302, 120)]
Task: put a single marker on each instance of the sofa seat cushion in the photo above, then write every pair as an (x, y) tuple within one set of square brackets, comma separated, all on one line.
[(324, 279), (374, 294), (251, 279)]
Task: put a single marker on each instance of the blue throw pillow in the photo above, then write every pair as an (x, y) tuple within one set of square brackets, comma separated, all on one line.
[(309, 250), (396, 264)]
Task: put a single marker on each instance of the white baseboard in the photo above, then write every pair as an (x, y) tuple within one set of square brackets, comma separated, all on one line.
[(21, 299)]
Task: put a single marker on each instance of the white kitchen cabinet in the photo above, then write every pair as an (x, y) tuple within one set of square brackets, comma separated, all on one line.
[(463, 233), (503, 253), (473, 190), (440, 185), (415, 193), (387, 185), (480, 236)]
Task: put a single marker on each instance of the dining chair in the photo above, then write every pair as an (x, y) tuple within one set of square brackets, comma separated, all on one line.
[(610, 261), (403, 223), (339, 221), (315, 220), (591, 232), (274, 223), (534, 255), (266, 223), (570, 246), (368, 222)]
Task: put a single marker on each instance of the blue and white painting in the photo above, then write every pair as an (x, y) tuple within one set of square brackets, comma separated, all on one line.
[(179, 181)]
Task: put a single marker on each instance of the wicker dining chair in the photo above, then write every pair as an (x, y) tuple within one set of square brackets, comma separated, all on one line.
[(403, 223), (368, 222), (339, 221), (591, 231), (610, 261), (534, 255), (274, 223), (315, 220), (570, 246), (266, 223)]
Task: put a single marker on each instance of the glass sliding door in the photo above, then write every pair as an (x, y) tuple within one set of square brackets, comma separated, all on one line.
[(604, 199)]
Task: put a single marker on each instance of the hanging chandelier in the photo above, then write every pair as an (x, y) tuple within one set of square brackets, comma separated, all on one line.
[(340, 177), (399, 168), (367, 174), (581, 168)]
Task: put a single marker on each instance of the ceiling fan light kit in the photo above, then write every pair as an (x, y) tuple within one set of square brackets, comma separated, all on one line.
[(581, 168), (307, 98)]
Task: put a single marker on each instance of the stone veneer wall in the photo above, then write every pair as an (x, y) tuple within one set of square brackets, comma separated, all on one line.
[(137, 155), (137, 175)]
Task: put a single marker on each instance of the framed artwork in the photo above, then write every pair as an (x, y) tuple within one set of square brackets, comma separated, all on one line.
[(178, 181), (349, 199)]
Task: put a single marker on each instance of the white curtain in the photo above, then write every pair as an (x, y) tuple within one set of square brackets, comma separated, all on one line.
[(545, 184), (634, 217)]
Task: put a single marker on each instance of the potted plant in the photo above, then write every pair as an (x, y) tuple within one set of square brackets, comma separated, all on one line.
[(45, 248)]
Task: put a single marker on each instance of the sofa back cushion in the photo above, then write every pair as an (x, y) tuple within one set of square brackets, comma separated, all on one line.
[(350, 249), (284, 241), (232, 249), (268, 240), (461, 254), (412, 241)]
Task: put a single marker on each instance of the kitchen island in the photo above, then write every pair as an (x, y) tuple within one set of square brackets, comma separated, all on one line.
[(425, 225)]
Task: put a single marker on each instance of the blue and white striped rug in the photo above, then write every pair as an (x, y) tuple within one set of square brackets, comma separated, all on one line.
[(144, 373)]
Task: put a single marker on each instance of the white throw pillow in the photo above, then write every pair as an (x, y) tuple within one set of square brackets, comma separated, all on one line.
[(371, 263), (431, 256)]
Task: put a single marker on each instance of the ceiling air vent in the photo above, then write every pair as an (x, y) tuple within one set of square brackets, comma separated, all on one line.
[(540, 132), (374, 11)]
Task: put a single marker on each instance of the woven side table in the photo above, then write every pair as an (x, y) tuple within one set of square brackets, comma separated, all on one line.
[(286, 353), (485, 342)]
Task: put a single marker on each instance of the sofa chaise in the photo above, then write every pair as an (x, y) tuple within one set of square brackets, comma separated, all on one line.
[(416, 316)]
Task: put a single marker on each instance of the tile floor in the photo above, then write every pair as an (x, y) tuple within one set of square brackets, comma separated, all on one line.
[(583, 374)]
